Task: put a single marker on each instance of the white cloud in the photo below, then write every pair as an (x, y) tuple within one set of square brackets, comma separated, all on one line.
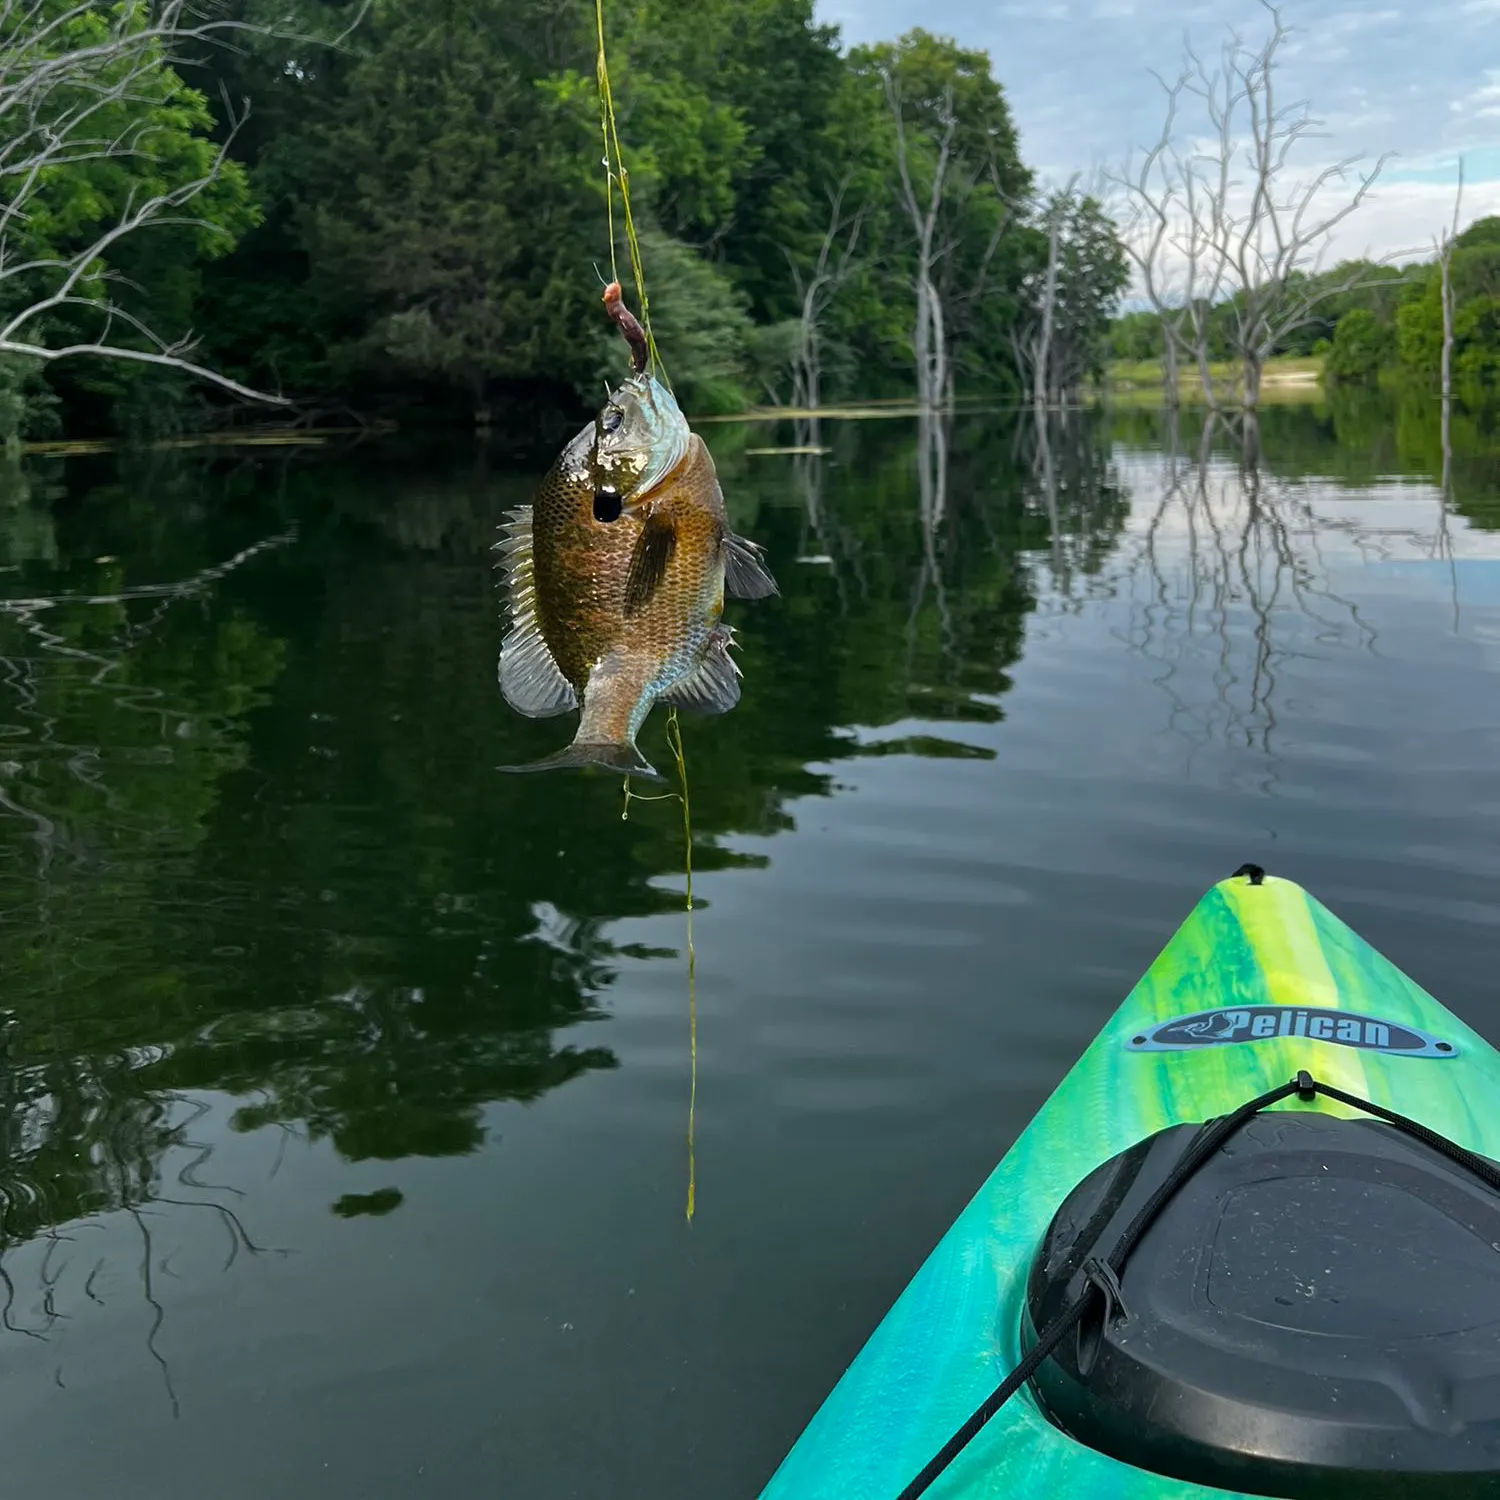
[(1484, 102), (1409, 215), (1342, 22), (1078, 78)]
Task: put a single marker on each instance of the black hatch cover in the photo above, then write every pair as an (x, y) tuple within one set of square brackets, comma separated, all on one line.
[(1316, 1313)]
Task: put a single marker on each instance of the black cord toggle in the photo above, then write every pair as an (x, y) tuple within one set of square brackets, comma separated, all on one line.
[(1098, 1272)]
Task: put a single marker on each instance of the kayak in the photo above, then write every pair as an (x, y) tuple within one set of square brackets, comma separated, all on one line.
[(1313, 1310)]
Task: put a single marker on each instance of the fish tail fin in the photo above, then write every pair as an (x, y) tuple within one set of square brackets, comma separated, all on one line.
[(621, 757)]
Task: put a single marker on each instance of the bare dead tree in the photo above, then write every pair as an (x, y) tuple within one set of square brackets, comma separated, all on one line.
[(1047, 319), (818, 286), (1266, 237), (929, 342), (1206, 273), (68, 74), (953, 181), (1153, 190), (1445, 246), (960, 299)]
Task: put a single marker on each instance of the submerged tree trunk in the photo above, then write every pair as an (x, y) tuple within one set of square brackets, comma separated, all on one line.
[(930, 344), (1171, 389), (1200, 357), (817, 286), (807, 366), (1446, 264), (1250, 441), (929, 334), (1041, 365), (1253, 365)]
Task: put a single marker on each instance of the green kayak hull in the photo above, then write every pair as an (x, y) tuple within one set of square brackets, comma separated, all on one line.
[(955, 1331)]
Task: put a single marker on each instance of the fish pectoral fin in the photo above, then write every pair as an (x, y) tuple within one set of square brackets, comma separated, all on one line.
[(530, 677), (648, 562), (713, 687), (745, 573)]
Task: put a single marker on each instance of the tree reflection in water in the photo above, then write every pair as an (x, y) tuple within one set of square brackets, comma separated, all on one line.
[(257, 874)]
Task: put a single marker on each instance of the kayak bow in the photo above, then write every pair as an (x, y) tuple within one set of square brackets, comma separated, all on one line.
[(1316, 1312)]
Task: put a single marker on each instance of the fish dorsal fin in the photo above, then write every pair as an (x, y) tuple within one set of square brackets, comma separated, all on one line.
[(714, 687), (530, 678), (648, 563), (745, 573)]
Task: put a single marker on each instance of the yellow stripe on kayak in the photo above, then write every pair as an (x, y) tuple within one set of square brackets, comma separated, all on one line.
[(1281, 931)]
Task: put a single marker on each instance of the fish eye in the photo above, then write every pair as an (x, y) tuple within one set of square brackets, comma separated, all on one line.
[(613, 416), (607, 503)]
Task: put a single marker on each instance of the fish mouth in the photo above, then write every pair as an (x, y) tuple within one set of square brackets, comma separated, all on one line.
[(640, 436)]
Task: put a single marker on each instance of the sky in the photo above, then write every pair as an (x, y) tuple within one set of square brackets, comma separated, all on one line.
[(1418, 79)]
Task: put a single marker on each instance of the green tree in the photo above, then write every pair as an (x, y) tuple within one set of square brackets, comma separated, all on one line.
[(1136, 336), (1362, 346), (1075, 262), (1476, 345), (451, 256)]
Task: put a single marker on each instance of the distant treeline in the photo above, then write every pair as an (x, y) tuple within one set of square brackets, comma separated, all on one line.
[(1388, 327), (413, 218)]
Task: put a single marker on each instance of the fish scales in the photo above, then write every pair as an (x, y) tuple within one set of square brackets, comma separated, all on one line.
[(582, 570)]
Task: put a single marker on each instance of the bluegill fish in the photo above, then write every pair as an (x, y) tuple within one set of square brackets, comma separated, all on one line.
[(616, 575)]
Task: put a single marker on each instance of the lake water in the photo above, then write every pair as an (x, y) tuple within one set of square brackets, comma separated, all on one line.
[(346, 1081)]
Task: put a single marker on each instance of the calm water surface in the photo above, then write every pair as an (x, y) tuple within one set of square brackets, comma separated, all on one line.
[(345, 1082)]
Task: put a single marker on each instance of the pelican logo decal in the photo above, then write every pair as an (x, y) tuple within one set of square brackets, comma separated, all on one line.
[(1255, 1023)]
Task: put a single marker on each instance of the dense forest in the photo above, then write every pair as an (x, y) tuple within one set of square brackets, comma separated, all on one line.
[(400, 208)]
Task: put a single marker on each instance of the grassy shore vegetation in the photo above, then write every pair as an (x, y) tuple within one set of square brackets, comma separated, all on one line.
[(1287, 378)]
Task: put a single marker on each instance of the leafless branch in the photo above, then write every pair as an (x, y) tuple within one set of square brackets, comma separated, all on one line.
[(80, 84), (929, 342), (1271, 238), (1156, 192), (816, 288), (1445, 246), (1241, 222)]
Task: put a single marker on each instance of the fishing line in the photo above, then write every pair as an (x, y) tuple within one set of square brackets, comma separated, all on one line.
[(610, 134), (674, 739), (674, 735), (616, 171)]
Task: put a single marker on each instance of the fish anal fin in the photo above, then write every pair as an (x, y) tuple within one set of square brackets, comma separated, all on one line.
[(745, 573), (648, 562), (713, 687), (530, 678)]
